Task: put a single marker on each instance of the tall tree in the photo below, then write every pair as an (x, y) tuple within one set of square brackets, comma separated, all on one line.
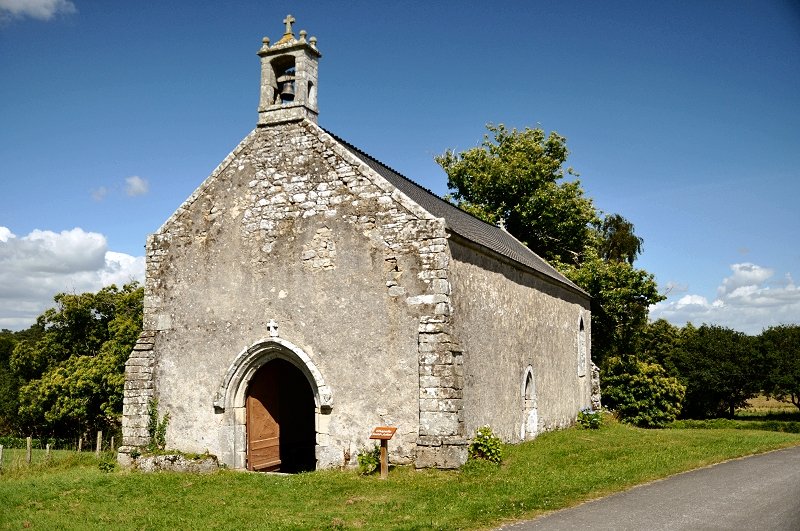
[(621, 298), (9, 384), (517, 177), (658, 342), (73, 373), (617, 241), (721, 368), (781, 347)]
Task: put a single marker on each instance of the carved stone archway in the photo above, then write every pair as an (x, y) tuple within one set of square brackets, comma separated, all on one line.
[(231, 396)]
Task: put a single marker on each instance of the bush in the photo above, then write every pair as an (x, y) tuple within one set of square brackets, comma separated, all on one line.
[(641, 393), (369, 460), (486, 445), (589, 419)]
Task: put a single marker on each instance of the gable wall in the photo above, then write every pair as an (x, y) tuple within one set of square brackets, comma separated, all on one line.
[(289, 229), (506, 319)]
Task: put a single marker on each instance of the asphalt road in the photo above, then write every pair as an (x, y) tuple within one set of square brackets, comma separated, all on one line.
[(752, 493)]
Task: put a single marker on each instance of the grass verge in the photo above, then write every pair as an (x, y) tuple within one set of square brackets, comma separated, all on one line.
[(556, 470)]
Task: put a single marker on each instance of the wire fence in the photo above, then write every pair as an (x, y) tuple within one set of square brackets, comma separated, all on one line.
[(42, 448)]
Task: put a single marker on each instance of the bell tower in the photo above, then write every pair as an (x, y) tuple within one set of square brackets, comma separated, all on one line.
[(288, 78)]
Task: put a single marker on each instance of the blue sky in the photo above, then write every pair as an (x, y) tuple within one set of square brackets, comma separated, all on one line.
[(684, 117)]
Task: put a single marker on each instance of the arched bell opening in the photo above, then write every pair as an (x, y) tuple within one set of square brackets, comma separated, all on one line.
[(283, 68)]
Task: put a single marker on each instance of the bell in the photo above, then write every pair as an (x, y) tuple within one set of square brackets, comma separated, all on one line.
[(287, 88)]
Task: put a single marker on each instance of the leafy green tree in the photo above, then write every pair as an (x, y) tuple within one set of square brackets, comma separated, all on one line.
[(517, 177), (721, 368), (9, 384), (781, 347), (73, 373), (657, 344), (641, 393), (621, 298), (617, 241)]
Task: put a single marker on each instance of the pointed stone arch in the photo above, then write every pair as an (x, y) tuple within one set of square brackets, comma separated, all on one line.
[(530, 411), (231, 396), (582, 350)]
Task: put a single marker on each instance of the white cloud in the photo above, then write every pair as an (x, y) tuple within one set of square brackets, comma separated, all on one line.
[(135, 185), (37, 266), (98, 194), (747, 301), (39, 9)]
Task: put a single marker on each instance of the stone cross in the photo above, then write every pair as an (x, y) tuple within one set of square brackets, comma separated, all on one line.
[(289, 20), (272, 326)]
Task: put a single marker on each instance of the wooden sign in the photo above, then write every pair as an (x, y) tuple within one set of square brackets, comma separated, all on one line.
[(383, 433)]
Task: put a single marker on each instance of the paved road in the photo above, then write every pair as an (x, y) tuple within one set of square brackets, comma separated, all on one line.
[(753, 493)]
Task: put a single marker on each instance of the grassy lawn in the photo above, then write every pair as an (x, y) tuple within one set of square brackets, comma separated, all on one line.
[(554, 471)]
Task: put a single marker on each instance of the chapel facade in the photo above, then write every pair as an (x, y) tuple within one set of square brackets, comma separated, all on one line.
[(306, 293)]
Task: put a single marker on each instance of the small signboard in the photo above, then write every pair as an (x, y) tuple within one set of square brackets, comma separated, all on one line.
[(383, 433)]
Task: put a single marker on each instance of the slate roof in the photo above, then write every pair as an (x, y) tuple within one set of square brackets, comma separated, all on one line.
[(462, 223)]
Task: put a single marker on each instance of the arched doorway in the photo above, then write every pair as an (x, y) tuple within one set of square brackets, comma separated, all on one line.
[(280, 419)]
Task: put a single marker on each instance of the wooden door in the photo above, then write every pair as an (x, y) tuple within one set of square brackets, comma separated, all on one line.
[(263, 420)]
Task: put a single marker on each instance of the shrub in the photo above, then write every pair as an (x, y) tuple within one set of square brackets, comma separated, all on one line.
[(486, 445), (641, 393), (107, 465), (369, 460), (589, 419)]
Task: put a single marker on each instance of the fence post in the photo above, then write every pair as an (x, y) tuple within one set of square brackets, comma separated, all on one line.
[(111, 446), (99, 443), (1, 456), (28, 453), (80, 443), (47, 449)]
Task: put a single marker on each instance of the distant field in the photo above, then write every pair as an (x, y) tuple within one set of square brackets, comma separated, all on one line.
[(763, 404), (556, 470)]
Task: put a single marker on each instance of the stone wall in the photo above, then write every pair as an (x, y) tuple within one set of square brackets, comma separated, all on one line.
[(292, 228), (508, 320), (139, 387)]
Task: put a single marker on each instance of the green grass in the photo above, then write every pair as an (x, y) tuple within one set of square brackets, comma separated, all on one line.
[(15, 463), (556, 470)]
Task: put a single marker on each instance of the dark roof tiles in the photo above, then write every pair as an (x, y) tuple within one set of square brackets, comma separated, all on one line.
[(460, 222)]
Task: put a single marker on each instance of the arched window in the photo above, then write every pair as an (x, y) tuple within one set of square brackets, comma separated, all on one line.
[(530, 413), (581, 347)]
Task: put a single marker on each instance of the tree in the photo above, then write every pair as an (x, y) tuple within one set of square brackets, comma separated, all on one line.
[(73, 372), (657, 344), (721, 368), (516, 177), (781, 347), (9, 384), (621, 298), (617, 241)]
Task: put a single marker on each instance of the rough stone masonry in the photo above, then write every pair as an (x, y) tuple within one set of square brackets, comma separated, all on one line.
[(392, 306)]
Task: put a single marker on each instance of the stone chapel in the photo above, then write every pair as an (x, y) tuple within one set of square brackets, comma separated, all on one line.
[(306, 293)]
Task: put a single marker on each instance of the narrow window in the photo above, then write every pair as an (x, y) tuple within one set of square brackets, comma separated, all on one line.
[(530, 413), (581, 348)]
